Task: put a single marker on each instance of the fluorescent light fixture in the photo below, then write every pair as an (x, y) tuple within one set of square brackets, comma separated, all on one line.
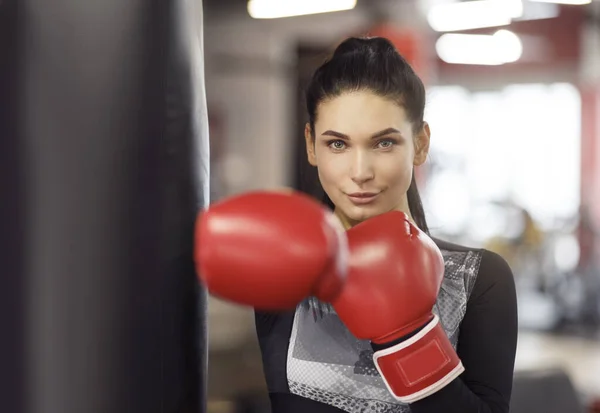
[(538, 11), (576, 2), (275, 9), (473, 14), (514, 8), (477, 49)]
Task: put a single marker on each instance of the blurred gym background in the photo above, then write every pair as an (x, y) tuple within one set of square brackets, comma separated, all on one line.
[(514, 108)]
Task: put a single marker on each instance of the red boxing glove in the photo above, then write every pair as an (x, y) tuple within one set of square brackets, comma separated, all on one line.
[(395, 275), (270, 250)]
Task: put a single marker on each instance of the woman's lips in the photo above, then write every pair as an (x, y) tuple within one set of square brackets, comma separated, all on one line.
[(362, 198)]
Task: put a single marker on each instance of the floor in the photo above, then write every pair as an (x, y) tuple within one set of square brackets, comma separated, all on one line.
[(580, 357)]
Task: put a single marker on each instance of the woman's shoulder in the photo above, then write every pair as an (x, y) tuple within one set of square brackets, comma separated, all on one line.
[(487, 269)]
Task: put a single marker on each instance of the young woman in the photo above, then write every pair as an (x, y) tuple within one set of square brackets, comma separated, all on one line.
[(365, 135)]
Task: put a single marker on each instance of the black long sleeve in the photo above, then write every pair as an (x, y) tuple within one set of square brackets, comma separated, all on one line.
[(486, 346)]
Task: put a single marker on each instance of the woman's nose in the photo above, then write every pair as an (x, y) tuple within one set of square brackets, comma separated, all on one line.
[(362, 168)]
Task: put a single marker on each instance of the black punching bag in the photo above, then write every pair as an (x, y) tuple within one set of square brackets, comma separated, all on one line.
[(104, 157)]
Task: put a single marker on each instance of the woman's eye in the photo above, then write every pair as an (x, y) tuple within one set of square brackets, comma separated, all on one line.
[(386, 143), (337, 145)]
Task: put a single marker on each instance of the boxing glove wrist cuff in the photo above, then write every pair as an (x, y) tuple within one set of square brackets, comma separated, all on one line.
[(419, 366)]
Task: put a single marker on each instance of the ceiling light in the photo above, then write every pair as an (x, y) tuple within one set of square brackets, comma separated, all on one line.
[(477, 49), (274, 9)]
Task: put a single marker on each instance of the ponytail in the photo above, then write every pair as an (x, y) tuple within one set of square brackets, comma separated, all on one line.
[(416, 206)]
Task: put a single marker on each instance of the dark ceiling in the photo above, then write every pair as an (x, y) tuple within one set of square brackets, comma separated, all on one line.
[(220, 5)]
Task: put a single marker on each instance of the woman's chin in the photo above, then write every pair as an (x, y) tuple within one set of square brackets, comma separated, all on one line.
[(358, 214)]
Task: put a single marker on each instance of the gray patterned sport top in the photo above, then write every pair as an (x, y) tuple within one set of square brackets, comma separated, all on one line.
[(312, 363)]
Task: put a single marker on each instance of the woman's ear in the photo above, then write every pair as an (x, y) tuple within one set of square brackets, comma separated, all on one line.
[(310, 145), (422, 145)]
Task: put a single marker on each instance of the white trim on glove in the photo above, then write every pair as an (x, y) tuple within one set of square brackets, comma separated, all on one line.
[(427, 391)]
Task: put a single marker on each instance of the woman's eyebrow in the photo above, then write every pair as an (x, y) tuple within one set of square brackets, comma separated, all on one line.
[(374, 136)]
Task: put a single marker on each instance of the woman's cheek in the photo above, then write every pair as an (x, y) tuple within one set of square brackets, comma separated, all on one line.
[(332, 166)]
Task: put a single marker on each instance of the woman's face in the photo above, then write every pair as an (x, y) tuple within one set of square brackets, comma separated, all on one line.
[(364, 149)]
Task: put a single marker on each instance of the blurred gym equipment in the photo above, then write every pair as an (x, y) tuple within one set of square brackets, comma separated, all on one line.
[(104, 154), (548, 391)]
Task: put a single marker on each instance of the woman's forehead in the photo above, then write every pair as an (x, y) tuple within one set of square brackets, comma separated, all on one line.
[(360, 113)]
